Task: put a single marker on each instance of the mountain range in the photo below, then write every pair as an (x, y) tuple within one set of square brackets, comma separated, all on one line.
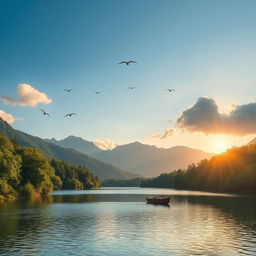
[(123, 162), (138, 158), (253, 141), (84, 146), (99, 168)]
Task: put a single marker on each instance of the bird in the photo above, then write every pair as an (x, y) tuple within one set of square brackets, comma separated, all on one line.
[(97, 92), (127, 62), (71, 114), (170, 90), (131, 88), (68, 90), (44, 113)]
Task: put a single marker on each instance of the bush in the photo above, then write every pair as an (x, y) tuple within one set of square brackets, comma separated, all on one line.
[(57, 182), (28, 190), (74, 184), (6, 190), (47, 187)]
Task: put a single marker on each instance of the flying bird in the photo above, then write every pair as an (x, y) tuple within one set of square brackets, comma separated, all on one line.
[(97, 92), (131, 88), (170, 90), (127, 62), (44, 113), (71, 114), (68, 90)]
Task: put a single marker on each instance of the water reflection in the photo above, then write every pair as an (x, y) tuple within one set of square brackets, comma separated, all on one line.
[(122, 224)]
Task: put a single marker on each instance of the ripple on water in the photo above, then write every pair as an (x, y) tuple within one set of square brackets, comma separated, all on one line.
[(193, 225)]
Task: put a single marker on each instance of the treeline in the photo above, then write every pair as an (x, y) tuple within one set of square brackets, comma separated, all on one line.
[(74, 177), (122, 183), (26, 172), (232, 171)]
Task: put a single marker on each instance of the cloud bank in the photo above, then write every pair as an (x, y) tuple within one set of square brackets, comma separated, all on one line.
[(7, 117), (167, 134), (27, 96), (105, 144), (205, 117)]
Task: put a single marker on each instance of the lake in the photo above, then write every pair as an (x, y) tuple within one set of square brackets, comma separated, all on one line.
[(117, 221)]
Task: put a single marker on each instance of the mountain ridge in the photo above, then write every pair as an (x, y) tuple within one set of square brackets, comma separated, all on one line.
[(84, 146), (149, 160), (251, 142), (99, 168)]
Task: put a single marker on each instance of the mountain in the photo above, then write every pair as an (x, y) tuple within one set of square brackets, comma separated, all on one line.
[(86, 147), (144, 159), (149, 160), (252, 142), (101, 169)]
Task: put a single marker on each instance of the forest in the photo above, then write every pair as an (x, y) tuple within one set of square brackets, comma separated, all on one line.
[(232, 171), (26, 172), (122, 183)]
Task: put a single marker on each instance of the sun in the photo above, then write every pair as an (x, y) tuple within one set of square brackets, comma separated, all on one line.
[(220, 145)]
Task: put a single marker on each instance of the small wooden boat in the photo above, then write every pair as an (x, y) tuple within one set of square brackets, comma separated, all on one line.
[(158, 200)]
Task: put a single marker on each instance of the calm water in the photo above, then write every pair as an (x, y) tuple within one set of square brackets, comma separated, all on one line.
[(119, 222)]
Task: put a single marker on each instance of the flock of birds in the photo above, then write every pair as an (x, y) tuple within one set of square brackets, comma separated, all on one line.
[(98, 92)]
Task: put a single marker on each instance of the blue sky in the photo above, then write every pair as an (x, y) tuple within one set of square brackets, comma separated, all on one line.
[(200, 48)]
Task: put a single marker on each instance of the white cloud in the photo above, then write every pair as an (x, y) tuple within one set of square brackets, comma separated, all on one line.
[(205, 117), (7, 117), (105, 144), (167, 134), (27, 96)]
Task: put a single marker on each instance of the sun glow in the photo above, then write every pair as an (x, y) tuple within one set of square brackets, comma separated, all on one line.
[(220, 145)]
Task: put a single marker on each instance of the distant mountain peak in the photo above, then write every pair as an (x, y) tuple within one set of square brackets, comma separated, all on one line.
[(73, 137), (51, 140), (136, 144), (78, 143), (149, 160), (101, 169)]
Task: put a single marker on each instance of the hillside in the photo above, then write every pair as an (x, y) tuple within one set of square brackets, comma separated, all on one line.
[(142, 159), (101, 169), (149, 160), (86, 147), (232, 171), (252, 142), (26, 172)]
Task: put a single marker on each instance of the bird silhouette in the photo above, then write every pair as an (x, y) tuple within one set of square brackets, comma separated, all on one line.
[(170, 90), (131, 88), (44, 113), (97, 92), (127, 62), (70, 114), (68, 90)]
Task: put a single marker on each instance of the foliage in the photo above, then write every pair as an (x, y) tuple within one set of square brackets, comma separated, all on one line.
[(27, 172), (101, 169), (28, 190), (6, 190), (232, 171), (57, 182), (74, 177), (122, 183)]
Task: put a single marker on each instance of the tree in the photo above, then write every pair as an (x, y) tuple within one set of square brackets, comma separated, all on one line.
[(232, 171), (26, 172), (36, 170)]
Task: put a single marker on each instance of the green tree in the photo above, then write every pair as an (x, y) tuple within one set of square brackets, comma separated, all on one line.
[(36, 170), (27, 172), (232, 171)]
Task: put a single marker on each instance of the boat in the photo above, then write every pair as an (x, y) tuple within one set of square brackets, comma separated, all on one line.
[(158, 200)]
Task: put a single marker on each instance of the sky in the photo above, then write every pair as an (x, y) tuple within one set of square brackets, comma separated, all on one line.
[(205, 50)]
